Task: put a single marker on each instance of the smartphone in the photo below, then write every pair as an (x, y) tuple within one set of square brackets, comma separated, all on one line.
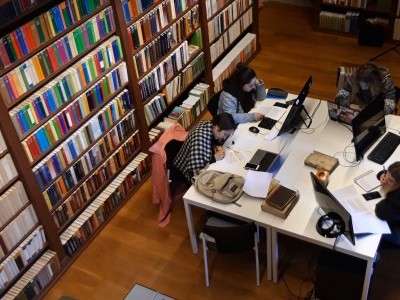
[(280, 104), (371, 195), (250, 166)]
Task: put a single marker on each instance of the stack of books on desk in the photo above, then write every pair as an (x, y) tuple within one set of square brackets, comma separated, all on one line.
[(280, 200)]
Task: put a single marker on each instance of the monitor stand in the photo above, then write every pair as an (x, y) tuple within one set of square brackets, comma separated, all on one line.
[(303, 118)]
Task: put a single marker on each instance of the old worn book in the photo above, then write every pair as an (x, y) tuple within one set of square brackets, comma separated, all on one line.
[(323, 161), (280, 201)]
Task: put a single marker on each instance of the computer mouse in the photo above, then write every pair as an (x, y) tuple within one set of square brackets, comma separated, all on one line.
[(254, 129)]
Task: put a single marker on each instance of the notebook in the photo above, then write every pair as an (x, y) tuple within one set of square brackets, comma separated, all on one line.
[(337, 112)]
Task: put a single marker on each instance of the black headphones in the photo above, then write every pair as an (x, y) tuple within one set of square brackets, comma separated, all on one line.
[(330, 225)]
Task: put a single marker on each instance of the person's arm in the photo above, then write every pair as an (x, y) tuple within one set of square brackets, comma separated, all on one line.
[(228, 104), (389, 94), (260, 90)]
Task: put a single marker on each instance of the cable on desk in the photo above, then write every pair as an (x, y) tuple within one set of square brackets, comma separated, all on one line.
[(155, 294)]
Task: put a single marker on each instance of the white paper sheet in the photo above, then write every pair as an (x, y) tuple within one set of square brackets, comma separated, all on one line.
[(257, 183), (351, 200), (272, 112), (369, 223)]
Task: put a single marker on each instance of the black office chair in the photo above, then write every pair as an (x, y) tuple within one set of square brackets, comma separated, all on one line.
[(212, 105), (397, 97), (227, 235)]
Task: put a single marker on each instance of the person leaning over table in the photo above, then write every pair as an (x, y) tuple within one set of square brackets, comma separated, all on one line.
[(239, 94), (389, 208), (368, 82), (203, 145)]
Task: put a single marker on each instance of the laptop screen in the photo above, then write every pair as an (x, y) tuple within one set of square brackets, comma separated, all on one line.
[(329, 203), (294, 117)]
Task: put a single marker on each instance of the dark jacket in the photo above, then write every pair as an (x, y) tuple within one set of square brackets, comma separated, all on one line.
[(389, 210)]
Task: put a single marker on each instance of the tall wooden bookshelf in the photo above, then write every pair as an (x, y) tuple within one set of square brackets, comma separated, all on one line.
[(344, 16), (82, 84)]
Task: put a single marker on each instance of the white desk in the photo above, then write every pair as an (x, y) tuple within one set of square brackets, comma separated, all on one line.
[(325, 136)]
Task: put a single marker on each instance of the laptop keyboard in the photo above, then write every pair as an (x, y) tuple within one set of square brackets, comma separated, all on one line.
[(267, 161), (267, 123), (385, 148)]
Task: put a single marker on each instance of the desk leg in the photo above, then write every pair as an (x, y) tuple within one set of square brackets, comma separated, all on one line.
[(367, 278), (275, 255), (269, 254), (192, 233)]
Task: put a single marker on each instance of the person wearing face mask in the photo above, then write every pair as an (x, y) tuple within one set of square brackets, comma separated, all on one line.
[(240, 92), (368, 82), (203, 146), (389, 208)]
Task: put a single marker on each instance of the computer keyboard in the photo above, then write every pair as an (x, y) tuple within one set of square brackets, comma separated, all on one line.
[(267, 161), (267, 123), (385, 148)]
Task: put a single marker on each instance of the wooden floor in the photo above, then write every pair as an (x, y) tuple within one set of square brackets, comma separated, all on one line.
[(133, 249)]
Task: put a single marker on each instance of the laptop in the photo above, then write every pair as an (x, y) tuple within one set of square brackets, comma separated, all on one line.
[(262, 160), (337, 113)]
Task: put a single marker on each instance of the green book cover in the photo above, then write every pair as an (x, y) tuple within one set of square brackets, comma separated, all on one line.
[(47, 135), (56, 128), (22, 71), (28, 118), (57, 94), (80, 7), (104, 85), (90, 31), (72, 88), (67, 19), (108, 117), (92, 68), (72, 4), (39, 30), (43, 64), (13, 53), (77, 40), (120, 47), (59, 62)]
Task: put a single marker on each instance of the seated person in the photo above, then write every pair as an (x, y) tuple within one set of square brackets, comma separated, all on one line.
[(368, 82), (389, 208), (240, 92), (203, 145)]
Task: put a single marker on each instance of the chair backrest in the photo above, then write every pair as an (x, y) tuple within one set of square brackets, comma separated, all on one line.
[(397, 93), (232, 239), (212, 105), (171, 150)]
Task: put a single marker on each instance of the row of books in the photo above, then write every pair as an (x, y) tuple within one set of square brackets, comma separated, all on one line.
[(3, 146), (186, 77), (242, 52), (33, 34), (396, 30), (167, 69), (155, 50), (94, 215), (154, 108), (13, 8), (352, 3), (77, 200), (132, 8), (212, 6), (348, 22), (93, 159), (12, 234), (154, 134), (36, 278), (27, 116), (12, 201), (7, 170), (34, 70), (191, 107), (63, 156), (228, 37), (21, 256), (106, 171), (222, 21), (39, 142), (150, 25)]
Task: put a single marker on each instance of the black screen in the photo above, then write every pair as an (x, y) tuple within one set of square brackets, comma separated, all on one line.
[(329, 203), (294, 116), (368, 126)]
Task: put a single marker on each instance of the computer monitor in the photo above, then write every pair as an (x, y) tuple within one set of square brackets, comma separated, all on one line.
[(294, 117), (368, 126), (329, 204)]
